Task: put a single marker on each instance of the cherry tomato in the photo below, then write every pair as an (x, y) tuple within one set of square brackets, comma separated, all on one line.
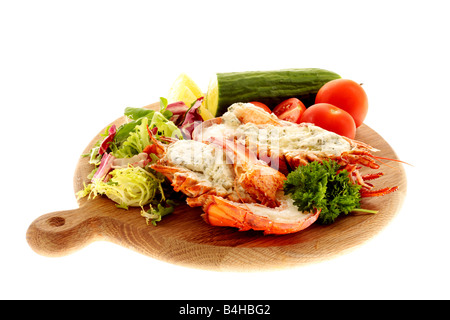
[(261, 105), (331, 118), (290, 110), (347, 95)]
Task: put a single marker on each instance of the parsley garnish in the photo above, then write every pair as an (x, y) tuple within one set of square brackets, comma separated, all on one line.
[(320, 185)]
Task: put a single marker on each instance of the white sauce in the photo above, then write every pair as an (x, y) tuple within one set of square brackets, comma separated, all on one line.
[(289, 138), (285, 138), (207, 161)]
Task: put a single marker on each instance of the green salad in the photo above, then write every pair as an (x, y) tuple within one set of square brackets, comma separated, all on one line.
[(123, 155)]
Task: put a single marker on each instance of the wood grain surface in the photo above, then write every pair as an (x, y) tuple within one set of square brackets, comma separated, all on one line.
[(183, 238)]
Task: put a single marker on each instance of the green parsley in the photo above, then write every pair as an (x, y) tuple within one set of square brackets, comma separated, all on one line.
[(320, 186)]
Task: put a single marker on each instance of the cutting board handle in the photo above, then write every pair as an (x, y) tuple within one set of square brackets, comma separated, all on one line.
[(63, 232)]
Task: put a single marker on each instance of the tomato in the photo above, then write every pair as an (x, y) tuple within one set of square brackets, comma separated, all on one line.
[(261, 105), (290, 110), (331, 118), (347, 95)]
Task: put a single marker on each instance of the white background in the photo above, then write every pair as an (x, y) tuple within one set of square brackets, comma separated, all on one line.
[(68, 68)]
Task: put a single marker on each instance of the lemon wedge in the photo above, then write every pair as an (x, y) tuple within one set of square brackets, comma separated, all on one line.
[(186, 90), (212, 96)]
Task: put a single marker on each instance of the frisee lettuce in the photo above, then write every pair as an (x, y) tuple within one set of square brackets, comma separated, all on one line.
[(128, 187), (154, 215)]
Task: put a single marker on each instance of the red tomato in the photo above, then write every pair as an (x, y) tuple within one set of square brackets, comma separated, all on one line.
[(347, 95), (261, 105), (330, 118), (290, 110)]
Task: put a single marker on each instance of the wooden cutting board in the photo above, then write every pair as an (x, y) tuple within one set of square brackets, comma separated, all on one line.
[(183, 238)]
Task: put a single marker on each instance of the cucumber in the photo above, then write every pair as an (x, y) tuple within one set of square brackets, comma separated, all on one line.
[(268, 87)]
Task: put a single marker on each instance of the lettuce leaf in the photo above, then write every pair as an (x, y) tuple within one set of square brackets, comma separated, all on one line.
[(192, 118), (132, 137), (132, 186), (105, 143), (135, 143), (178, 110), (155, 215)]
